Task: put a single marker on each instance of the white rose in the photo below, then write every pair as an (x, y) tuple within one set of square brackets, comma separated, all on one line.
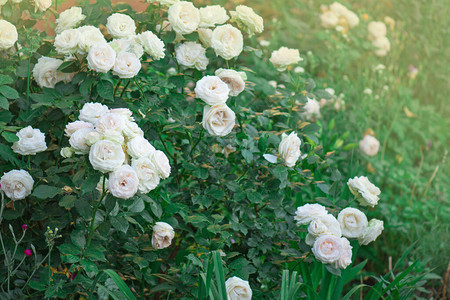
[(212, 90), (184, 17), (365, 191), (369, 145), (31, 141), (152, 45), (382, 46), (46, 73), (346, 255), (205, 35), (227, 41), (131, 130), (147, 174), (93, 137), (376, 30), (353, 222), (127, 65), (74, 126), (247, 19), (8, 35), (212, 15), (238, 289), (308, 212), (327, 249), (67, 41), (90, 36), (162, 235), (312, 109), (125, 112), (162, 164), (106, 156), (140, 147), (329, 19), (66, 152), (352, 18), (167, 2), (68, 19), (338, 8), (91, 112), (191, 54), (120, 26), (289, 148), (123, 182), (323, 225), (42, 5), (373, 230), (101, 58), (113, 135), (234, 80), (17, 184), (284, 57), (78, 140), (218, 120), (110, 121)]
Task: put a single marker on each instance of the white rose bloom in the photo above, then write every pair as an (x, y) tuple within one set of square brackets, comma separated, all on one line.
[(78, 140), (218, 120), (91, 112), (212, 15), (113, 135), (227, 41), (42, 5), (329, 19), (68, 19), (46, 73), (205, 35), (90, 36), (8, 35), (184, 17), (127, 65), (353, 222), (66, 152), (17, 184), (120, 26), (31, 141), (192, 54), (284, 57), (373, 230), (162, 164), (369, 145), (312, 109), (125, 112), (352, 18), (247, 19), (101, 58), (365, 191), (127, 45), (110, 121), (93, 137), (308, 212), (123, 182), (106, 156), (346, 255), (147, 174), (376, 30), (131, 130), (167, 2), (383, 46), (162, 235), (323, 225), (152, 45), (139, 147), (238, 289), (74, 126), (67, 41), (212, 90), (327, 249), (289, 148), (234, 80)]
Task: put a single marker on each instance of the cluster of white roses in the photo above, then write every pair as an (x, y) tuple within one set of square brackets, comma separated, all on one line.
[(377, 34), (338, 16), (111, 137)]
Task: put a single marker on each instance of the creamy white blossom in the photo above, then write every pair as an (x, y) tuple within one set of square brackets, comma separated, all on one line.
[(91, 112), (219, 119), (212, 90), (346, 255), (247, 19), (323, 225), (238, 289), (382, 46), (67, 41), (152, 45), (162, 235), (327, 249), (8, 35), (113, 135), (205, 35), (234, 79), (131, 130), (184, 17), (227, 41), (42, 5), (67, 152), (308, 212), (123, 182), (127, 65), (353, 222), (289, 148), (369, 145), (46, 73), (120, 26), (376, 30), (140, 147), (191, 55), (365, 191), (68, 19), (167, 2), (373, 230), (106, 156), (161, 163), (16, 184), (212, 15), (312, 109), (31, 141), (101, 58), (329, 19), (78, 140), (89, 36), (284, 57), (147, 174), (110, 121)]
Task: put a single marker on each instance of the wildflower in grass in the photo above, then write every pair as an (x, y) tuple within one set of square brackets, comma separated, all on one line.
[(28, 252)]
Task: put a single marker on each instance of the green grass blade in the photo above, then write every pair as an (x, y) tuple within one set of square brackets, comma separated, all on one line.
[(120, 284), (220, 276), (354, 289)]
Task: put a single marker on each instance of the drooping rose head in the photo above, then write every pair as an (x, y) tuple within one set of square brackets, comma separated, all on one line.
[(289, 148), (184, 17), (353, 222), (373, 230), (212, 90), (327, 249), (16, 184), (162, 235), (369, 145), (106, 156), (247, 19), (31, 141), (8, 35), (120, 26), (235, 80), (238, 289), (218, 120), (123, 182), (365, 191), (227, 41)]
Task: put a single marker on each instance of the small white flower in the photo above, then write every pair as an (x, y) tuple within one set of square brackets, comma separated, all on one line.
[(382, 46), (212, 90), (46, 73), (284, 57), (31, 141), (123, 182), (147, 174), (353, 222), (89, 36), (120, 26), (74, 126), (376, 30), (218, 120), (91, 112), (308, 212), (66, 152), (329, 19), (127, 65), (323, 225), (161, 163), (152, 45), (42, 5), (327, 249), (17, 184), (365, 191), (238, 289), (110, 121), (235, 80), (162, 235), (205, 35), (212, 15), (312, 110), (78, 140), (67, 41)]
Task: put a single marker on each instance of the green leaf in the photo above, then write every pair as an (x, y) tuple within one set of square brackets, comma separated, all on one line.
[(45, 191), (68, 201), (5, 79), (69, 67), (78, 238), (120, 223), (69, 249), (120, 284), (105, 90), (89, 266), (137, 206), (4, 103), (90, 183), (169, 37), (192, 36), (94, 254), (156, 208), (10, 136), (9, 92), (248, 155)]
